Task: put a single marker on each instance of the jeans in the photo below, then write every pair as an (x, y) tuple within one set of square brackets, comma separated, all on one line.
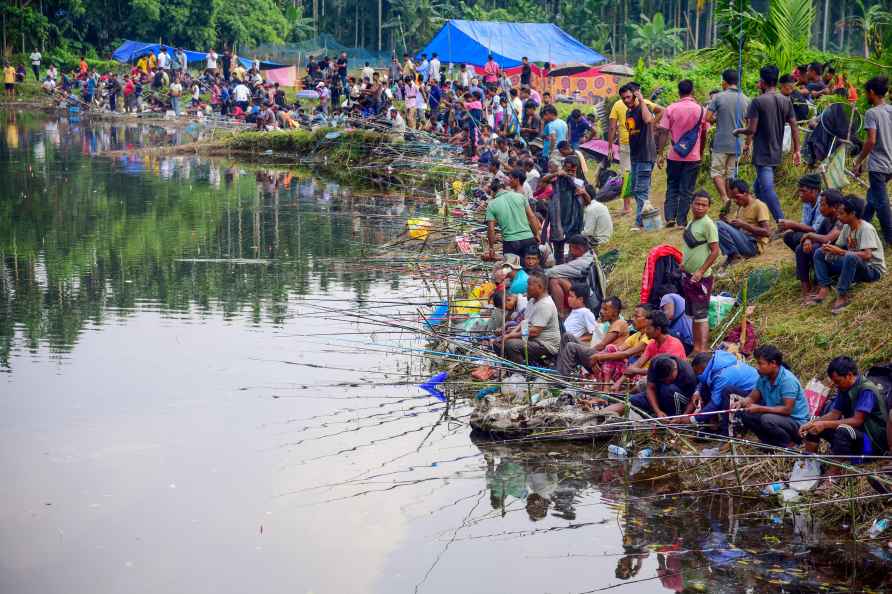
[(670, 399), (776, 430), (175, 105), (850, 268), (805, 263), (764, 189), (878, 202), (681, 176), (36, 69), (844, 440), (734, 242), (641, 174)]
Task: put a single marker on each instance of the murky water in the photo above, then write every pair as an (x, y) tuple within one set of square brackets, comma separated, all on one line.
[(198, 395)]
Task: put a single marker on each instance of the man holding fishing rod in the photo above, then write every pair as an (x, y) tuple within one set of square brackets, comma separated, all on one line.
[(511, 211)]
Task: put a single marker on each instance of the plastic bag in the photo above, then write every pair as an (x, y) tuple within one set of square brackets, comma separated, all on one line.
[(719, 308), (816, 396), (805, 475)]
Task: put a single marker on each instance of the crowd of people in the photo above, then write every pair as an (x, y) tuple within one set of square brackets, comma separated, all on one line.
[(540, 204)]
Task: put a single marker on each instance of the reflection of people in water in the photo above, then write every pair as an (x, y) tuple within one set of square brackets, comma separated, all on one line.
[(537, 507)]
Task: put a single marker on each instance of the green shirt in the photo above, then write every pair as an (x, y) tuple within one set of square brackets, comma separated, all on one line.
[(509, 210), (703, 229)]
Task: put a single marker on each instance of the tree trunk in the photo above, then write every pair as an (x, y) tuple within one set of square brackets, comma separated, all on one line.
[(380, 10), (696, 27), (826, 25)]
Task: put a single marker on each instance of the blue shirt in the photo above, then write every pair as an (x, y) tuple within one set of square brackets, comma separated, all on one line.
[(557, 127), (519, 284), (577, 129), (725, 373), (811, 214), (865, 401), (786, 386)]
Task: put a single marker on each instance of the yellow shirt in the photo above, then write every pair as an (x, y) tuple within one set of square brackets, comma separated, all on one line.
[(618, 114), (9, 75), (637, 339), (757, 212)]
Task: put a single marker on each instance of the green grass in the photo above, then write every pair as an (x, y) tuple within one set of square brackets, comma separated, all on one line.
[(809, 337)]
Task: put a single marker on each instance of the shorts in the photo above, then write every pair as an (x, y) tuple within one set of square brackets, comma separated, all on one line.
[(625, 158), (722, 165), (518, 247), (9, 86), (696, 297)]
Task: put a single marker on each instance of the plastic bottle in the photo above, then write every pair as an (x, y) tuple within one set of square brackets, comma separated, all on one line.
[(646, 453), (879, 526), (617, 451), (773, 488)]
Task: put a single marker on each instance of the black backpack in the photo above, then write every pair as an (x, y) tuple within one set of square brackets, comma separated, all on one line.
[(666, 279)]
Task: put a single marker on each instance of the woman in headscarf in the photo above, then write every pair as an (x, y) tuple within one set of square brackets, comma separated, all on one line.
[(680, 326)]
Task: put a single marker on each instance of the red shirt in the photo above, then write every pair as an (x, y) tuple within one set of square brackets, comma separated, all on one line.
[(671, 346)]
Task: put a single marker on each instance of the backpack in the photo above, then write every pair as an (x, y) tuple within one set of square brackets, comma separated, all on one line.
[(684, 145), (596, 281), (666, 279)]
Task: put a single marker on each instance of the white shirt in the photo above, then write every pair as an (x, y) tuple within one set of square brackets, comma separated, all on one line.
[(596, 222), (367, 72), (163, 60), (533, 178), (398, 123), (580, 322), (196, 92), (212, 59), (176, 89), (517, 104), (241, 92), (465, 78), (435, 69), (35, 58)]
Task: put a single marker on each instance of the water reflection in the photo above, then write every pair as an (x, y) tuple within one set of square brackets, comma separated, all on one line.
[(83, 239), (686, 543)]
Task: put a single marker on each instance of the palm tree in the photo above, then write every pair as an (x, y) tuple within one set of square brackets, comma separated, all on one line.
[(653, 38), (419, 20), (301, 26), (872, 22)]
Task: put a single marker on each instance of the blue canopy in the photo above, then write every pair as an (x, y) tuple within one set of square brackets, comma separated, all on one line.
[(130, 51), (471, 42)]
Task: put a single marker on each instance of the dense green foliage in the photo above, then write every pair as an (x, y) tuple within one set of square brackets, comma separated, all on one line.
[(625, 29)]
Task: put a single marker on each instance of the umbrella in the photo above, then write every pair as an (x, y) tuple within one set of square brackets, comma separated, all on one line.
[(620, 69), (568, 69)]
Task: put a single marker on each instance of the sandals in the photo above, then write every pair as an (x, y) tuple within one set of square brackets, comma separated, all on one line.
[(838, 309)]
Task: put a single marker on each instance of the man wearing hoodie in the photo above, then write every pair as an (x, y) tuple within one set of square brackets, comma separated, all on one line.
[(719, 374)]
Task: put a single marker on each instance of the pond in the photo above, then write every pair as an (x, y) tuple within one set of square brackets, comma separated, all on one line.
[(206, 388)]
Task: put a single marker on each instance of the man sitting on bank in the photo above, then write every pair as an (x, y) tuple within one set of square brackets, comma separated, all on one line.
[(561, 276), (776, 408), (810, 195), (858, 416), (827, 232), (857, 255), (720, 374), (746, 234), (671, 383), (544, 339)]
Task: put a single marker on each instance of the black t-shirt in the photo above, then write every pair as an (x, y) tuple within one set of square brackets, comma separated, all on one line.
[(800, 106), (642, 147), (312, 68), (342, 66), (525, 74), (686, 380), (772, 110)]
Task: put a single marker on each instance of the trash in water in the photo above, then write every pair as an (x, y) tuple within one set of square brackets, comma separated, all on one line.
[(430, 386), (486, 392), (879, 526), (805, 475), (789, 495), (773, 489), (710, 453), (616, 451), (646, 453)]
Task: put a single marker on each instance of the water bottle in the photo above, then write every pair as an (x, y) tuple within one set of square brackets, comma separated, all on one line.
[(616, 451), (525, 328), (646, 453), (773, 489), (879, 526)]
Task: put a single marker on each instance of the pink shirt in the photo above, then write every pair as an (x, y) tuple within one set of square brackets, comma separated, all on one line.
[(535, 96), (491, 70), (680, 117)]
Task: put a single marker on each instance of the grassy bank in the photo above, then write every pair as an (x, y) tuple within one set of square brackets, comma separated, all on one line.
[(809, 337)]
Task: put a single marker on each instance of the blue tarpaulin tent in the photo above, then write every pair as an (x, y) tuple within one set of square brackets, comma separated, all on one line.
[(130, 51), (470, 42)]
